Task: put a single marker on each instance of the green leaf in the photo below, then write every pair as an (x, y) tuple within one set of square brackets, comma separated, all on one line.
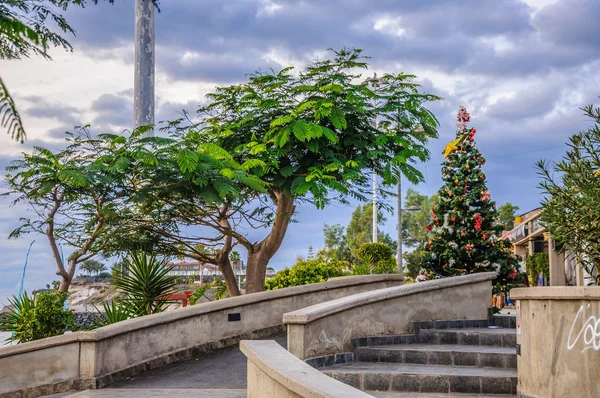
[(283, 137), (338, 119), (330, 134), (281, 121), (301, 130), (260, 148), (215, 151), (288, 171), (227, 173), (252, 163), (187, 160)]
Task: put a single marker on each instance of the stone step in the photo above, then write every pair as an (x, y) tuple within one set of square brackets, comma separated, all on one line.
[(425, 378), (426, 395), (441, 354), (503, 337), (160, 393)]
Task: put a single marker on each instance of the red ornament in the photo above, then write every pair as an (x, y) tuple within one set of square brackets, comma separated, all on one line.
[(473, 131), (471, 139), (477, 222), (429, 228), (453, 218), (469, 247)]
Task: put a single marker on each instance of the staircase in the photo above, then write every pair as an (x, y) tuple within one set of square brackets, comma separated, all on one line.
[(441, 359)]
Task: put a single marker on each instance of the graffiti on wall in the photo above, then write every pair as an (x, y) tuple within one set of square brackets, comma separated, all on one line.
[(588, 334)]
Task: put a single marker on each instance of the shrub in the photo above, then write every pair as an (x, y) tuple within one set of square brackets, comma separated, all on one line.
[(305, 272), (535, 263), (37, 317), (374, 252), (376, 258)]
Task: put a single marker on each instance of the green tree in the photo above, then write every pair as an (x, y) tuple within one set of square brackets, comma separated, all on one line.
[(360, 230), (464, 234), (571, 211), (92, 266), (335, 245), (73, 202), (310, 136), (507, 214), (414, 223), (24, 32)]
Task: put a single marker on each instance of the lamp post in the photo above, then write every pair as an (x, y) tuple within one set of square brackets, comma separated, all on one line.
[(143, 81), (399, 226)]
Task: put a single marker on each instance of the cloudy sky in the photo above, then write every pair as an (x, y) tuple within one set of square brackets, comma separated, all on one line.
[(523, 68)]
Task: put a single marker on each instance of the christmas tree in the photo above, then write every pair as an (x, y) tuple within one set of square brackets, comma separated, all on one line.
[(464, 234)]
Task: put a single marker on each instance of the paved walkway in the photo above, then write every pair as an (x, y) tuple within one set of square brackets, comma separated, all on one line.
[(219, 374)]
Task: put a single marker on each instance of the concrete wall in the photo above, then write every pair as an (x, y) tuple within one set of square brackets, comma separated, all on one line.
[(274, 372), (96, 358), (558, 330), (329, 327)]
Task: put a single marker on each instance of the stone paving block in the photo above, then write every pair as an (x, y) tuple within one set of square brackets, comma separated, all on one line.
[(401, 383), (439, 358), (465, 384), (448, 338), (490, 339), (419, 357), (352, 379), (365, 354), (491, 360), (377, 381), (496, 385), (465, 358), (509, 340), (395, 356), (467, 338), (439, 384), (429, 337), (510, 361)]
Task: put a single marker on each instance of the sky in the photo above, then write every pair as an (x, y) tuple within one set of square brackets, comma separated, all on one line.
[(522, 68)]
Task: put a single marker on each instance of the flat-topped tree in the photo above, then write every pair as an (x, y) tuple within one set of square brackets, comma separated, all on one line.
[(315, 134), (465, 235), (70, 203)]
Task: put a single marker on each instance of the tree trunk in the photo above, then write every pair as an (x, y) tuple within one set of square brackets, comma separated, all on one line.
[(228, 275), (67, 277), (262, 252), (223, 261)]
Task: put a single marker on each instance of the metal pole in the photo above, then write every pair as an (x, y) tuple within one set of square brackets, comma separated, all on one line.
[(374, 206), (143, 83), (399, 221)]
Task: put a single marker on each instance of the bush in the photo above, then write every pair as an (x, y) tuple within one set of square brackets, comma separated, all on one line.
[(374, 252), (536, 263), (37, 317), (376, 258), (305, 272)]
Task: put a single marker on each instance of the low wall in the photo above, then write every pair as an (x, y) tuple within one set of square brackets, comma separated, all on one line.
[(329, 327), (99, 357), (274, 372), (558, 330)]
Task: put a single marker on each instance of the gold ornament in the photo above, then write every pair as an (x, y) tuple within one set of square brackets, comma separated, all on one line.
[(518, 220), (452, 146), (456, 181)]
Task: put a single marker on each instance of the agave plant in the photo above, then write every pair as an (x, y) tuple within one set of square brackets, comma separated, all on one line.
[(146, 283), (12, 321)]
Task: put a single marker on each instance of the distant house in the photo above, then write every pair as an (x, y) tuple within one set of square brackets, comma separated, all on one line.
[(199, 270)]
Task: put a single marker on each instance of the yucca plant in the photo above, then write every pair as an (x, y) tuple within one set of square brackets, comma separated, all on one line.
[(146, 283), (114, 311), (12, 321)]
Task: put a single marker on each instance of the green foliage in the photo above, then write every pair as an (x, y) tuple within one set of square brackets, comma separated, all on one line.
[(507, 214), (465, 237), (414, 261), (536, 263), (114, 311), (571, 210), (37, 317), (414, 222), (9, 116), (360, 230), (199, 293), (219, 289), (93, 266), (305, 272), (146, 283), (376, 258)]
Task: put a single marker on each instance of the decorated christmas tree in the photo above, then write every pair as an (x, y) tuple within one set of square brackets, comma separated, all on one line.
[(464, 234)]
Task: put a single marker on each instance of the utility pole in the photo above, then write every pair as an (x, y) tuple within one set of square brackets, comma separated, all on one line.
[(374, 206), (143, 83), (399, 248)]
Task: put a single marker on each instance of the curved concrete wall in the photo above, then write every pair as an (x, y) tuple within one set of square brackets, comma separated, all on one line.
[(558, 330), (329, 327), (96, 358), (274, 372)]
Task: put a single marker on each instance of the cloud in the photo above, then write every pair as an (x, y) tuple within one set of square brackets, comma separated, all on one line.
[(47, 110)]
